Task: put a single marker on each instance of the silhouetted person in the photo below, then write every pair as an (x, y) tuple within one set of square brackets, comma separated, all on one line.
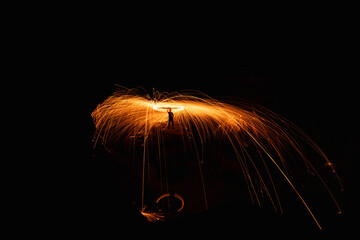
[(171, 118)]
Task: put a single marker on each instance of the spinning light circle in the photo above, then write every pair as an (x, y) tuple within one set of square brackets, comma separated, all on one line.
[(173, 195)]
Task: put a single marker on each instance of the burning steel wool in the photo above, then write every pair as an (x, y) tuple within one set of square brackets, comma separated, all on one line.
[(131, 114)]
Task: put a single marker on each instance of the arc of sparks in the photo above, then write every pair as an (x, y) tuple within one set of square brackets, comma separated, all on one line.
[(128, 113)]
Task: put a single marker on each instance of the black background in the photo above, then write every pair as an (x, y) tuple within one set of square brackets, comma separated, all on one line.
[(300, 73)]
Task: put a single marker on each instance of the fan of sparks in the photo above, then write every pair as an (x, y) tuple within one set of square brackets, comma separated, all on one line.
[(132, 112)]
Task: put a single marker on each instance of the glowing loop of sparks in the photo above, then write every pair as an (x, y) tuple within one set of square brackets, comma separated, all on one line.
[(176, 196)]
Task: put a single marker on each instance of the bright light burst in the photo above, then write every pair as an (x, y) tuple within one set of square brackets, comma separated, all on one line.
[(129, 113)]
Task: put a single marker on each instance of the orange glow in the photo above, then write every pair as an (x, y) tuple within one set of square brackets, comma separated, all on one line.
[(129, 113), (166, 107)]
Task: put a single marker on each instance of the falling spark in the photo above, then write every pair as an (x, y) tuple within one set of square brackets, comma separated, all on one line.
[(153, 216), (129, 113)]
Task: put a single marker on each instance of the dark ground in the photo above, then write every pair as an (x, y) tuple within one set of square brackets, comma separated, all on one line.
[(306, 79)]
